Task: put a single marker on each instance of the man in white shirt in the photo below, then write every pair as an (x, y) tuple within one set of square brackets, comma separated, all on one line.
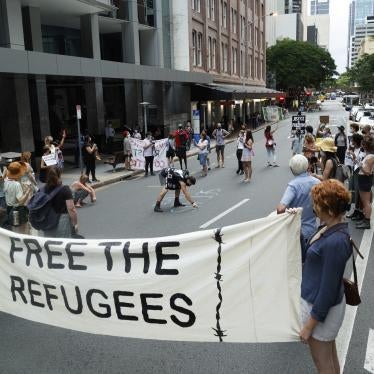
[(148, 146)]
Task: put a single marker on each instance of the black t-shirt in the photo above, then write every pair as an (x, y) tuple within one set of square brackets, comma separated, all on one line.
[(174, 177), (59, 201)]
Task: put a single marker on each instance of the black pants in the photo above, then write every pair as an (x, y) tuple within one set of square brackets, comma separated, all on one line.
[(182, 155), (239, 153), (90, 168), (148, 164), (341, 154)]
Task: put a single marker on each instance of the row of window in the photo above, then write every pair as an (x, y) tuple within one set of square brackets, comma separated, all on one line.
[(211, 9), (197, 58)]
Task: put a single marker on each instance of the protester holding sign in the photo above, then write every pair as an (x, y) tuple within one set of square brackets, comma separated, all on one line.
[(323, 302), (175, 180)]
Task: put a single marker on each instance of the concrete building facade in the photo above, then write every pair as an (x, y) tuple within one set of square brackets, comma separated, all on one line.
[(106, 55)]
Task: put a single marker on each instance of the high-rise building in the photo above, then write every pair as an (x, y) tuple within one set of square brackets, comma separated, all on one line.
[(359, 10), (292, 6), (363, 32), (318, 7), (317, 13)]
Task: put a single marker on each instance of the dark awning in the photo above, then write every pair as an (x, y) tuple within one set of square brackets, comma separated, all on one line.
[(203, 92)]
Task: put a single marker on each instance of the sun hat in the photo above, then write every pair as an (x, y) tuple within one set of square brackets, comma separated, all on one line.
[(326, 145), (16, 170), (299, 164)]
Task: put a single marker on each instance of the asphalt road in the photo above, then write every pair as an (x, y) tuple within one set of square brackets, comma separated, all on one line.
[(125, 210)]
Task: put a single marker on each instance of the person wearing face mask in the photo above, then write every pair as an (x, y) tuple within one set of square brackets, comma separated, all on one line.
[(297, 195), (149, 145)]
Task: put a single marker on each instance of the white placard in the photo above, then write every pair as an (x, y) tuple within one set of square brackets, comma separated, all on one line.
[(237, 284), (50, 159), (137, 149)]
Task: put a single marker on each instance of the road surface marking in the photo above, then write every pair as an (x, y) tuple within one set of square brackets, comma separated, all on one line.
[(207, 224), (345, 334), (369, 358)]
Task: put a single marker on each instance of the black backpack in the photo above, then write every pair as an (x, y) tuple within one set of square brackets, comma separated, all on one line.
[(42, 216)]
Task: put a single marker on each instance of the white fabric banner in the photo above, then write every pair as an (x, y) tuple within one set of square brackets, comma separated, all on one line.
[(237, 284), (137, 150)]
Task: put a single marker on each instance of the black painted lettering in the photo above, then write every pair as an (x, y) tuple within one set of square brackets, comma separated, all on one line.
[(51, 254), (33, 248), (128, 256), (71, 254), (191, 316), (108, 246), (48, 295), (34, 293), (13, 248), (17, 285), (89, 296), (121, 304), (78, 296), (146, 307), (161, 257)]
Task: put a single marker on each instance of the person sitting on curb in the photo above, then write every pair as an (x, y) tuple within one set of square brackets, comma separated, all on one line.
[(175, 180), (81, 190)]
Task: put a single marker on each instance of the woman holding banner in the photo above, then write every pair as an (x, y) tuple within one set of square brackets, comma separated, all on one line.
[(322, 292)]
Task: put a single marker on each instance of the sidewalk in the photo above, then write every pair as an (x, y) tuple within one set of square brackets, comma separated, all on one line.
[(105, 174)]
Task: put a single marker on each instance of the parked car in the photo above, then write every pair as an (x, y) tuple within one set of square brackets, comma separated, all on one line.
[(363, 113), (353, 112), (367, 120)]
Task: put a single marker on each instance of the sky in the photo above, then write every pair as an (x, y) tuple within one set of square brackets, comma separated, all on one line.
[(339, 14)]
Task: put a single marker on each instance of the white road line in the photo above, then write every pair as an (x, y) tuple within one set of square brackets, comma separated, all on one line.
[(369, 358), (345, 334), (205, 225)]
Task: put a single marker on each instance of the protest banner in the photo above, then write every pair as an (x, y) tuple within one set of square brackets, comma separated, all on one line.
[(240, 283), (137, 149)]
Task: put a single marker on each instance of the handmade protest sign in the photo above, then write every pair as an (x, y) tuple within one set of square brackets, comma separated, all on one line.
[(236, 284), (159, 151), (50, 159)]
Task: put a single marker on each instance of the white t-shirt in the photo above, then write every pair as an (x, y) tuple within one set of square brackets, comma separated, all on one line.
[(240, 142), (13, 192), (147, 151), (201, 144)]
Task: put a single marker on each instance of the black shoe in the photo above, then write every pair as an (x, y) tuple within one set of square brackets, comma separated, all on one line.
[(358, 217), (153, 174), (146, 174), (237, 172), (158, 209), (241, 172), (178, 203), (364, 225), (354, 214)]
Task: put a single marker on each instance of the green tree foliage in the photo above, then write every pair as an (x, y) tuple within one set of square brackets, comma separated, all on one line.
[(363, 73), (299, 64), (345, 81)]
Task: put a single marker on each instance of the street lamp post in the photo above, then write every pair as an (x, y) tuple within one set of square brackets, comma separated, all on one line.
[(145, 106)]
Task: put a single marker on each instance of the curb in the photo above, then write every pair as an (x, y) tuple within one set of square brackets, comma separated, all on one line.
[(122, 177)]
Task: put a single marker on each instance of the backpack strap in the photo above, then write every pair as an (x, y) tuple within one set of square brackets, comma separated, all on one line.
[(55, 191)]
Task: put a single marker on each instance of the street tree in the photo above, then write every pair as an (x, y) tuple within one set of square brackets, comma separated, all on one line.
[(297, 64), (362, 73)]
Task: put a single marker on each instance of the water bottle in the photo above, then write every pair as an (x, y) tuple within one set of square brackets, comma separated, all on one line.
[(15, 217)]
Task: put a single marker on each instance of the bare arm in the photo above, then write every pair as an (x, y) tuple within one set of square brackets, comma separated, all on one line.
[(281, 208), (186, 193), (62, 140), (26, 195), (326, 171)]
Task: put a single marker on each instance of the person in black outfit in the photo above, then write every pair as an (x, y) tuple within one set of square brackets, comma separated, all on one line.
[(341, 144), (89, 151)]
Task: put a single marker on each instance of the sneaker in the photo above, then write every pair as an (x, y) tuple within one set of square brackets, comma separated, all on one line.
[(358, 217), (158, 209), (276, 165), (222, 166), (241, 172), (354, 214), (364, 224)]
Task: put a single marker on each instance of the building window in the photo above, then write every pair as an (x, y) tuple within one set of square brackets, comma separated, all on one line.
[(209, 53), (250, 65), (214, 49), (196, 4), (211, 5), (224, 54), (242, 27), (194, 49), (199, 49), (234, 15), (224, 14), (234, 62)]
